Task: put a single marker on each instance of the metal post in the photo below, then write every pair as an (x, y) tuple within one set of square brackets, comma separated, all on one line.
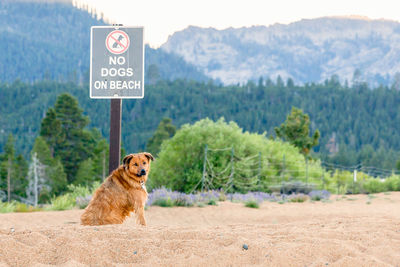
[(232, 168), (35, 177), (204, 167), (259, 168), (307, 172), (9, 179), (354, 179), (283, 175), (283, 168), (115, 134)]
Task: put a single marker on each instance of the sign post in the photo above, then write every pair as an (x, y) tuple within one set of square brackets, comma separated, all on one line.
[(116, 72)]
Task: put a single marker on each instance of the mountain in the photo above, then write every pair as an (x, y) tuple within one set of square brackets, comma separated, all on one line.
[(51, 40), (311, 50)]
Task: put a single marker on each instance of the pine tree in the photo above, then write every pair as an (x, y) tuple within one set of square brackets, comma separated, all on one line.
[(153, 74), (73, 143), (100, 160), (296, 129), (165, 130), (51, 130), (19, 183), (85, 175), (9, 154)]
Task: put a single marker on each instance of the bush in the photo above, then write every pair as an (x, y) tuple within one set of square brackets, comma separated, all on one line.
[(64, 202), (374, 185), (22, 207), (180, 162), (163, 202), (297, 198), (6, 207), (296, 187), (252, 204), (318, 195), (212, 202), (392, 183), (82, 202), (256, 196), (166, 198)]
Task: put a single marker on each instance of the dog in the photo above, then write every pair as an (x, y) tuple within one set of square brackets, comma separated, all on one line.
[(123, 192)]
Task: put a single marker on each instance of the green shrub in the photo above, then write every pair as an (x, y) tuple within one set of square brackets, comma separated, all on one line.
[(64, 202), (82, 191), (222, 197), (316, 198), (298, 198), (392, 183), (374, 186), (212, 202), (22, 207), (164, 202), (179, 165), (252, 204), (6, 207)]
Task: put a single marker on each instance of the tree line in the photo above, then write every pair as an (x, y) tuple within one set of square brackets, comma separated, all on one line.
[(355, 124)]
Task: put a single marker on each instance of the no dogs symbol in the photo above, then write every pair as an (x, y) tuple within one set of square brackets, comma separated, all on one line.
[(117, 42)]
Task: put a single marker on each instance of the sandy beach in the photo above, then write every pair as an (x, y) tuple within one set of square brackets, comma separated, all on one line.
[(346, 231)]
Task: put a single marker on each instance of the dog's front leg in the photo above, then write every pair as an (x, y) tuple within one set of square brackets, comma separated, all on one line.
[(140, 215)]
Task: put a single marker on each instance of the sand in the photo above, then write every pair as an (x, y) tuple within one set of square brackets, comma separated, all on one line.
[(351, 231)]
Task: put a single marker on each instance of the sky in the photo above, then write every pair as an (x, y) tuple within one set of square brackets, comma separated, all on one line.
[(162, 18)]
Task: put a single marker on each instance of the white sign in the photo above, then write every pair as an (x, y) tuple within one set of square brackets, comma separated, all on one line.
[(116, 62)]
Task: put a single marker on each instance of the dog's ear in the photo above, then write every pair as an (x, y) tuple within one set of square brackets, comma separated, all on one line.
[(127, 159), (148, 155)]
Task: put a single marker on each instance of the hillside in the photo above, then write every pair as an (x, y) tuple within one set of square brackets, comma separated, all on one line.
[(309, 50), (352, 119), (41, 40)]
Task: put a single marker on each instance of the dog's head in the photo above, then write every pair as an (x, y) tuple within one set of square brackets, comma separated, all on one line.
[(138, 165)]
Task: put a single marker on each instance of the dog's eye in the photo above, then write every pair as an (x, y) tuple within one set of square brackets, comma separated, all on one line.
[(136, 164), (144, 163)]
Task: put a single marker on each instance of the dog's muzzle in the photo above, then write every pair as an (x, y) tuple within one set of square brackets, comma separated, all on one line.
[(141, 173)]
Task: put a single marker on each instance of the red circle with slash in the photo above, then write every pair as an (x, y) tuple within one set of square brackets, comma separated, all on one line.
[(117, 42)]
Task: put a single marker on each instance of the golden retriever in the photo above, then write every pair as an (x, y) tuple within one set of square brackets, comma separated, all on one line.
[(124, 191)]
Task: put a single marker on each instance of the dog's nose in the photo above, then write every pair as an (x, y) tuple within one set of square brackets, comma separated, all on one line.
[(143, 172)]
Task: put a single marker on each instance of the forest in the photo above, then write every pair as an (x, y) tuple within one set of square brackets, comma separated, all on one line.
[(357, 124)]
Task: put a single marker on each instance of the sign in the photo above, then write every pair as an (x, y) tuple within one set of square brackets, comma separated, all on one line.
[(116, 62), (117, 42)]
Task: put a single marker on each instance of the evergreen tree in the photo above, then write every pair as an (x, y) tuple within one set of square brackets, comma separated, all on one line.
[(85, 175), (100, 159), (165, 130), (51, 130), (153, 74), (73, 143), (296, 129), (13, 171), (20, 181), (9, 155)]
